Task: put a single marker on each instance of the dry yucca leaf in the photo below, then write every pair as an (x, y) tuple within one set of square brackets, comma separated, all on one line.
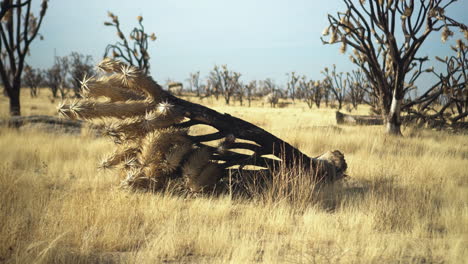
[(196, 162), (90, 109), (109, 87), (122, 155)]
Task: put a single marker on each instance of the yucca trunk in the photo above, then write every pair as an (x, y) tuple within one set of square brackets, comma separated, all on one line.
[(393, 119), (14, 95)]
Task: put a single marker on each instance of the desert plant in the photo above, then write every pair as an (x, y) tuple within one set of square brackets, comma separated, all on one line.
[(292, 83), (154, 144), (311, 91), (32, 78), (240, 92), (372, 29), (133, 51), (337, 84), (194, 82), (358, 87), (446, 102), (18, 28), (250, 90), (270, 91), (80, 67), (56, 78), (225, 82)]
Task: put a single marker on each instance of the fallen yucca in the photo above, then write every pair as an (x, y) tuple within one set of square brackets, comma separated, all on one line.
[(150, 148), (150, 127)]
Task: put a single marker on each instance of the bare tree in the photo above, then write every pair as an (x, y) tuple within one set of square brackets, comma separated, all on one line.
[(305, 91), (194, 82), (357, 87), (311, 92), (372, 29), (292, 82), (56, 77), (32, 78), (446, 102), (215, 82), (250, 89), (270, 92), (234, 84), (81, 67), (240, 92), (337, 84), (318, 89), (223, 81), (133, 51), (18, 28), (325, 85)]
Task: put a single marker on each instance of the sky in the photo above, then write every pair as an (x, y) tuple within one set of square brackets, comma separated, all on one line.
[(258, 38)]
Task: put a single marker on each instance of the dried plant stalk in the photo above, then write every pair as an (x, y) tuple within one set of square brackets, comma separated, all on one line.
[(124, 155), (135, 128), (109, 65), (92, 109), (175, 156), (195, 164), (110, 87), (132, 78)]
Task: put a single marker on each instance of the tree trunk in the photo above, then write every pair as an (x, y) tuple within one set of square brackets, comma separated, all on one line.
[(393, 119), (14, 95)]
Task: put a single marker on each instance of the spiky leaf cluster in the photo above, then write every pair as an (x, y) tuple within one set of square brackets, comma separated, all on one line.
[(151, 149)]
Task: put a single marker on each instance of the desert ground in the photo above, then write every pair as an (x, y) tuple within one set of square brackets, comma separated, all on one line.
[(405, 200)]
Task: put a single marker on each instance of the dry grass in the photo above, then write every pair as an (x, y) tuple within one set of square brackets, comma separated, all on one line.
[(406, 201)]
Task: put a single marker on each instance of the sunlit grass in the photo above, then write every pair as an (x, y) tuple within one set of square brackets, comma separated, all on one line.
[(405, 200)]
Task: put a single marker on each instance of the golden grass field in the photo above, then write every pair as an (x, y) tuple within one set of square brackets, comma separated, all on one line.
[(406, 200)]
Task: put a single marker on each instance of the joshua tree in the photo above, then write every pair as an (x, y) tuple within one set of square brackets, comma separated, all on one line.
[(305, 91), (18, 28), (292, 82), (450, 93), (80, 66), (250, 88), (240, 92), (194, 81), (357, 87), (224, 81), (56, 77), (337, 84), (372, 29), (135, 53), (270, 91), (311, 92), (155, 146), (32, 78)]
